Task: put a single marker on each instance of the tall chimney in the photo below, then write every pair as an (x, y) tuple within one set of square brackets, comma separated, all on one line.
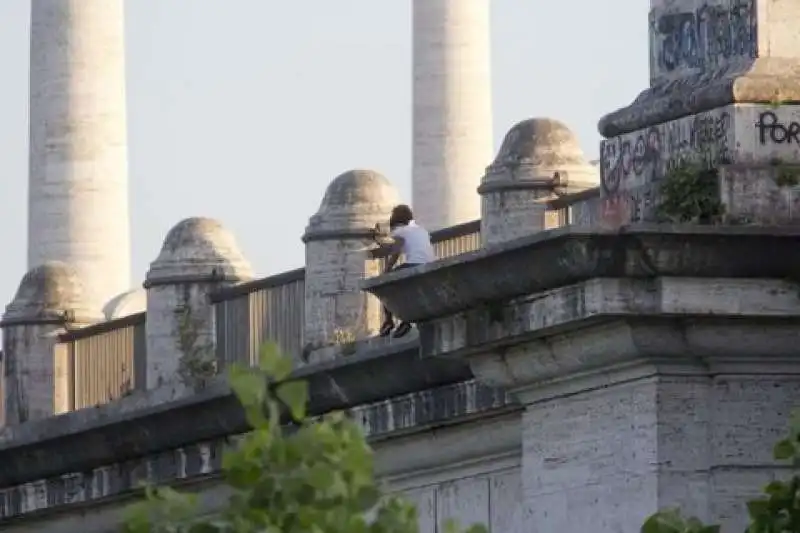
[(78, 176), (452, 128)]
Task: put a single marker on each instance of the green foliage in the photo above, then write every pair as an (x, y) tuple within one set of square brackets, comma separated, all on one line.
[(690, 193), (778, 511), (197, 363), (787, 177), (315, 476)]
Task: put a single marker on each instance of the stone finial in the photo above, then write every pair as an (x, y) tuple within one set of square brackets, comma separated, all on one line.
[(198, 249), (48, 293), (539, 158), (50, 298), (126, 304), (336, 238), (540, 153), (353, 203)]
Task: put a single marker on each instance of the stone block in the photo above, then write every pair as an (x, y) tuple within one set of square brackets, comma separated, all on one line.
[(738, 140), (706, 54)]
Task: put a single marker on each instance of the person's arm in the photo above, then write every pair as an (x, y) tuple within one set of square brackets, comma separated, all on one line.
[(396, 248), (391, 248)]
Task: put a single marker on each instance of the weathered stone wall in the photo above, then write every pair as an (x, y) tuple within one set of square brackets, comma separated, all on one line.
[(634, 165), (180, 332), (511, 214), (429, 445), (337, 311), (687, 36), (28, 372)]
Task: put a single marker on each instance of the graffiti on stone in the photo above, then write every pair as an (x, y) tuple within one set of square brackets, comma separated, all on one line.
[(702, 38), (772, 130), (642, 157)]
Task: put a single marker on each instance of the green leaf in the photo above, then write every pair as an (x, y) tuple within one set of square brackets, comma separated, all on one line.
[(248, 386), (757, 508), (784, 449), (776, 488), (294, 394), (666, 521), (272, 363)]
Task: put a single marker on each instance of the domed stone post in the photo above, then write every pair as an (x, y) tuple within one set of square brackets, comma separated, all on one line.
[(49, 299), (198, 257), (336, 310), (538, 157)]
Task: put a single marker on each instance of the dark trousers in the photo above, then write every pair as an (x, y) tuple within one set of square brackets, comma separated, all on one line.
[(387, 315)]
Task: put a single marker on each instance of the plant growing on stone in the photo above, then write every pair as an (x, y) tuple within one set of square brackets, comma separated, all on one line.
[(690, 193), (778, 511), (197, 362), (345, 339), (312, 475)]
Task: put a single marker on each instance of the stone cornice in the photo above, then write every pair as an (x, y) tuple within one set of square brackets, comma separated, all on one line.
[(757, 81), (143, 424), (396, 423)]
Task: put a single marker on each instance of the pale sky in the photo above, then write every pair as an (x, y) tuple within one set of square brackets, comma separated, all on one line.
[(244, 110)]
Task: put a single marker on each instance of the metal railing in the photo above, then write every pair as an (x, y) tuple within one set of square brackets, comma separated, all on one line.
[(108, 360), (268, 309), (104, 362), (578, 209)]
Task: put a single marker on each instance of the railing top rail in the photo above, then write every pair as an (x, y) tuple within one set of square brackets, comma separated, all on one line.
[(242, 289), (458, 230), (570, 199), (103, 327)]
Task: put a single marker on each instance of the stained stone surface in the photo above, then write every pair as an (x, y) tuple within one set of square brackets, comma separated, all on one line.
[(746, 137), (706, 54)]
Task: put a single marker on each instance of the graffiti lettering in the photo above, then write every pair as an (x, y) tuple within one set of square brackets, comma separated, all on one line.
[(771, 129), (705, 37), (647, 155)]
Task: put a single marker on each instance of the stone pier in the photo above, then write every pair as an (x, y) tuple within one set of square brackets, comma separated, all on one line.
[(724, 94), (657, 365)]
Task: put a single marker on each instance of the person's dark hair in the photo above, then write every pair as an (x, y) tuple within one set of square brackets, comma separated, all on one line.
[(401, 216)]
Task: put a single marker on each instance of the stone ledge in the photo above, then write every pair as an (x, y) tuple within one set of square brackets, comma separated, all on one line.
[(144, 424), (628, 349), (758, 81), (569, 255), (382, 420)]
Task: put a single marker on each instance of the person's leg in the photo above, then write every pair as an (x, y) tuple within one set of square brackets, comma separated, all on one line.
[(388, 320), (404, 327)]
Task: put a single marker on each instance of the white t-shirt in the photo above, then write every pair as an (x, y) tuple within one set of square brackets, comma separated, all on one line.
[(416, 243)]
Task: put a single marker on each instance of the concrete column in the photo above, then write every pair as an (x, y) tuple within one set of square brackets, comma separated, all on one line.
[(78, 182), (336, 310), (49, 299), (539, 158), (198, 257), (452, 109)]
